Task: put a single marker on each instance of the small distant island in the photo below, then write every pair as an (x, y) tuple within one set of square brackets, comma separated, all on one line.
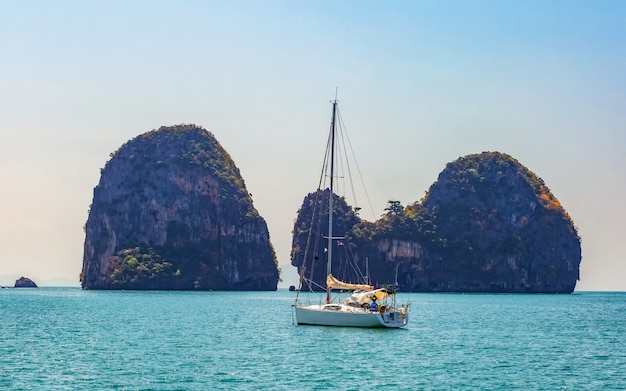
[(25, 282), (488, 224)]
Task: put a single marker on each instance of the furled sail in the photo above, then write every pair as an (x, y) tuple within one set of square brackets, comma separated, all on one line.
[(366, 297), (333, 283)]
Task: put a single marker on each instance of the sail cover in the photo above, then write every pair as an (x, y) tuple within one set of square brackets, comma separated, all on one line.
[(333, 283), (366, 297)]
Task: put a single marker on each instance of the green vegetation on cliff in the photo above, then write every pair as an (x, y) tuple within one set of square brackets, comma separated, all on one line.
[(135, 267)]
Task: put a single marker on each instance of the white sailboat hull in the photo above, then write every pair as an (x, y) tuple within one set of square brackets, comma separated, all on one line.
[(348, 316)]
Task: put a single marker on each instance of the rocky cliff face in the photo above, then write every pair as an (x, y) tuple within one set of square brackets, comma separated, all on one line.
[(497, 227), (313, 220), (487, 225), (171, 211)]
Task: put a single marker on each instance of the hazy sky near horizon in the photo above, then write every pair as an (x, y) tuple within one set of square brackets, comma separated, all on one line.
[(420, 84)]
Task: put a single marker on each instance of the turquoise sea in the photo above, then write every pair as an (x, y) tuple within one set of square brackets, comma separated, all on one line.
[(69, 339)]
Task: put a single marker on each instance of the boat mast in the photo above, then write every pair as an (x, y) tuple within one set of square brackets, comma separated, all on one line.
[(330, 200)]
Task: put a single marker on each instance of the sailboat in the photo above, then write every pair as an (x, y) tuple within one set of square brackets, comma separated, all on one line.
[(365, 305)]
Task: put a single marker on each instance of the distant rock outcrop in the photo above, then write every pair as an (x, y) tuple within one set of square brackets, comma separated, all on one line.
[(171, 211), (25, 282), (487, 225)]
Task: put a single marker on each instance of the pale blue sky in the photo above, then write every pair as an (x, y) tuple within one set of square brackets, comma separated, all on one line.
[(421, 83)]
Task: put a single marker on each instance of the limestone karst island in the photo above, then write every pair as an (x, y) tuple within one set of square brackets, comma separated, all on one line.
[(171, 212), (488, 224)]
